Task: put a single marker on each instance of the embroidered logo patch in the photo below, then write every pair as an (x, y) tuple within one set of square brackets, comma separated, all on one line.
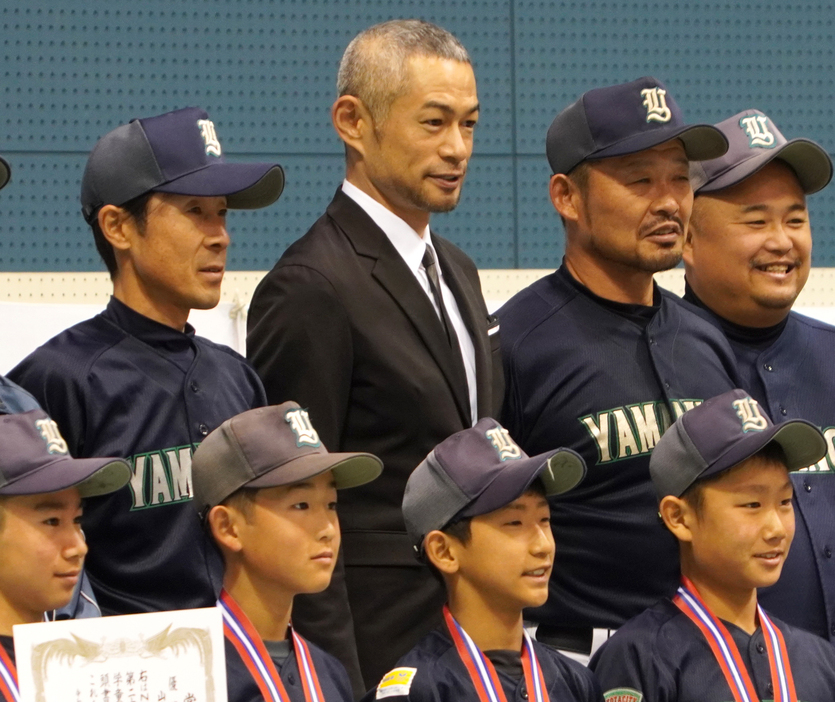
[(756, 127), (207, 131), (49, 431), (623, 694), (299, 422), (397, 682), (655, 101), (504, 445), (748, 410)]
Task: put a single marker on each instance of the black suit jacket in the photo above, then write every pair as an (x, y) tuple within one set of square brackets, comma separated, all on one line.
[(341, 326)]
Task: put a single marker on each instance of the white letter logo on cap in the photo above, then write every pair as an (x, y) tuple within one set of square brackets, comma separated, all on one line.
[(207, 131), (756, 127), (504, 445), (656, 104), (299, 422), (49, 431), (748, 410)]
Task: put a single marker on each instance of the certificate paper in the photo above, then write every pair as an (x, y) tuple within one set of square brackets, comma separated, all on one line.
[(159, 657)]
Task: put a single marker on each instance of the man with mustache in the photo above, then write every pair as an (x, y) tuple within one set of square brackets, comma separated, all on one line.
[(378, 327), (135, 381), (747, 257), (599, 359)]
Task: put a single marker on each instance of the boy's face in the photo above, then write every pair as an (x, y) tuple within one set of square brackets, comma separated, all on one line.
[(742, 533), (291, 539), (42, 550), (509, 556)]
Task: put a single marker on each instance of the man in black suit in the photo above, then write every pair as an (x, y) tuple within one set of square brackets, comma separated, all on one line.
[(388, 350)]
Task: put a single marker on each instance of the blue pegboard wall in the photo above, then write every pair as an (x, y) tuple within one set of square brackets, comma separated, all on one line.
[(265, 71)]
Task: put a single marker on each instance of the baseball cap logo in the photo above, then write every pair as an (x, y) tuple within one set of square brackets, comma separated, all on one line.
[(655, 100), (299, 422), (504, 445), (207, 131), (49, 432), (748, 411), (756, 127)]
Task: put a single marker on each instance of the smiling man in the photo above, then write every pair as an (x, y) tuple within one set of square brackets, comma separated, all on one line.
[(747, 257), (135, 381), (599, 359), (378, 326)]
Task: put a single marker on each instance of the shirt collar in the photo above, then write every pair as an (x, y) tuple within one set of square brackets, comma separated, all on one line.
[(409, 243), (145, 328)]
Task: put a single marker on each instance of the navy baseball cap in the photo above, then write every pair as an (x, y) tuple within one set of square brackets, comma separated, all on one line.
[(754, 142), (269, 447), (177, 152), (34, 459), (5, 173), (721, 433), (477, 471), (624, 119)]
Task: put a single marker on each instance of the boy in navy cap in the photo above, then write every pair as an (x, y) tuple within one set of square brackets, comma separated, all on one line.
[(135, 381), (476, 510), (599, 359), (42, 547), (266, 488), (721, 474), (747, 257)]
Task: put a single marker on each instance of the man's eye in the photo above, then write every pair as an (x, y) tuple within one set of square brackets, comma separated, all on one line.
[(301, 505), (332, 506), (52, 521)]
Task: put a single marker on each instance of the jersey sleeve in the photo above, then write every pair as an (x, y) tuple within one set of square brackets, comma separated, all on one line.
[(299, 341), (627, 668)]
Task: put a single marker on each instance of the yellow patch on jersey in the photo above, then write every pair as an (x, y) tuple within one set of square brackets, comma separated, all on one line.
[(396, 682), (623, 694)]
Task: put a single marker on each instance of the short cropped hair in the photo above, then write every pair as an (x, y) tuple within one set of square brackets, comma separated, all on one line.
[(373, 67), (137, 208), (694, 495)]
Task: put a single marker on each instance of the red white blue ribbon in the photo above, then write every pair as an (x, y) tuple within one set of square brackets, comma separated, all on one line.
[(481, 670), (8, 678), (727, 654), (250, 647)]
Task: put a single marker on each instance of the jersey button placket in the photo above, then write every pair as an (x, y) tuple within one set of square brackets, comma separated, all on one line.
[(203, 429)]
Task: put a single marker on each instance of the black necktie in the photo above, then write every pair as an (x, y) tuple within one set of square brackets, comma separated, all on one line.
[(435, 285)]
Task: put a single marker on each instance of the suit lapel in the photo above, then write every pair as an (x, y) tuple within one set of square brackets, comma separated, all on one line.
[(392, 273), (473, 313)]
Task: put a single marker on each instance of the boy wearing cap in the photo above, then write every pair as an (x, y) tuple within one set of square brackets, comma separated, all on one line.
[(42, 547), (266, 488), (477, 512), (599, 359), (747, 256), (721, 474), (135, 381)]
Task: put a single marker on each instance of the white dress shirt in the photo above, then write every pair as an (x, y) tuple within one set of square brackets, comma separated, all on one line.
[(411, 246)]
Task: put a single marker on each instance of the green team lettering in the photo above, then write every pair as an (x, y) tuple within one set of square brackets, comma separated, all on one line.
[(161, 477)]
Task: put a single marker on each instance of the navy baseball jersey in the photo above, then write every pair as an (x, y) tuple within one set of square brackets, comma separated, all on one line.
[(434, 672), (14, 399), (661, 656), (121, 384), (333, 679), (789, 370), (605, 379)]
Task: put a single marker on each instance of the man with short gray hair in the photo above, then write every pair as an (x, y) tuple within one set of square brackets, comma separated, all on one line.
[(378, 327)]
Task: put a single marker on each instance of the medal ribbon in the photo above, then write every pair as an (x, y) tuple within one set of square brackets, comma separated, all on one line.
[(250, 647), (727, 654), (8, 678), (481, 670)]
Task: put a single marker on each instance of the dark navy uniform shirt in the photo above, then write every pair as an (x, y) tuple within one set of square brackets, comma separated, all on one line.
[(661, 656), (333, 679), (121, 384), (434, 672), (605, 379), (790, 371)]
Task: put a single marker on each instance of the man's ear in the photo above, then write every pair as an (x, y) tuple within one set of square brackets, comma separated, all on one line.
[(117, 226), (441, 551), (352, 121), (678, 516), (565, 196), (224, 524)]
